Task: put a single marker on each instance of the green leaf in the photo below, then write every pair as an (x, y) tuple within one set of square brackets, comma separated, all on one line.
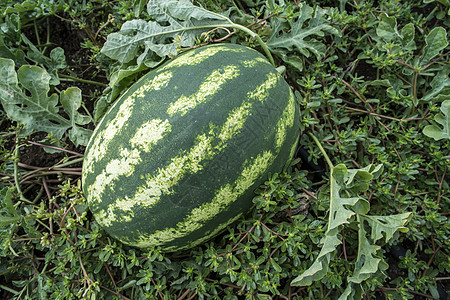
[(15, 54), (71, 102), (25, 6), (275, 265), (443, 2), (36, 110), (367, 263), (407, 37), (386, 225), (10, 32), (124, 45), (436, 41), (434, 291), (298, 35), (388, 32), (121, 78), (340, 207), (341, 210), (339, 172), (320, 266), (129, 284), (9, 218), (57, 60), (175, 11), (440, 83), (161, 40), (6, 220), (352, 291), (6, 201), (387, 28), (138, 7), (436, 132)]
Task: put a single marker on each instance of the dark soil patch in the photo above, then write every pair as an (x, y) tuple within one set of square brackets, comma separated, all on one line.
[(34, 155), (367, 70)]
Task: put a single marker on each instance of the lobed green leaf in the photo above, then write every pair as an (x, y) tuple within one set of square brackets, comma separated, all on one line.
[(299, 35), (443, 119), (37, 110)]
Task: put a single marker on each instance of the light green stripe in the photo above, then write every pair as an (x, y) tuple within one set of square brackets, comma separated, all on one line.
[(250, 63), (100, 145), (286, 122), (235, 122), (293, 148), (106, 217), (150, 133), (210, 86), (224, 197), (102, 139), (156, 83), (215, 231), (193, 58), (262, 91), (145, 137)]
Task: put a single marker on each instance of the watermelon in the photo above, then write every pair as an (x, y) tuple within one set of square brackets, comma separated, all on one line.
[(176, 159)]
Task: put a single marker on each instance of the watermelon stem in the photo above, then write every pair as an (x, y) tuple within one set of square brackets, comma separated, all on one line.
[(71, 78), (235, 26), (330, 164), (243, 28), (258, 38)]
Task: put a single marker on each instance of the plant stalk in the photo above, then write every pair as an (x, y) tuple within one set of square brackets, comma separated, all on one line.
[(231, 25), (71, 162), (16, 176), (328, 160), (82, 80), (237, 26), (260, 41), (8, 289)]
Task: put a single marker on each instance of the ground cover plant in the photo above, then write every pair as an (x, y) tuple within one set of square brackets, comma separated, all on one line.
[(362, 212)]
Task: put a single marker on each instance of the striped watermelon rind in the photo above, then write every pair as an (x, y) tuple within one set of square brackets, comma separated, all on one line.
[(177, 157)]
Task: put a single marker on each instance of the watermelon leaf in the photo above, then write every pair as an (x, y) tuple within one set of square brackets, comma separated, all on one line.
[(440, 84), (175, 11), (436, 41), (342, 208), (34, 108), (289, 35), (140, 45), (11, 36), (387, 31), (434, 131), (367, 262), (345, 204), (57, 59), (71, 102), (156, 37), (138, 7)]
